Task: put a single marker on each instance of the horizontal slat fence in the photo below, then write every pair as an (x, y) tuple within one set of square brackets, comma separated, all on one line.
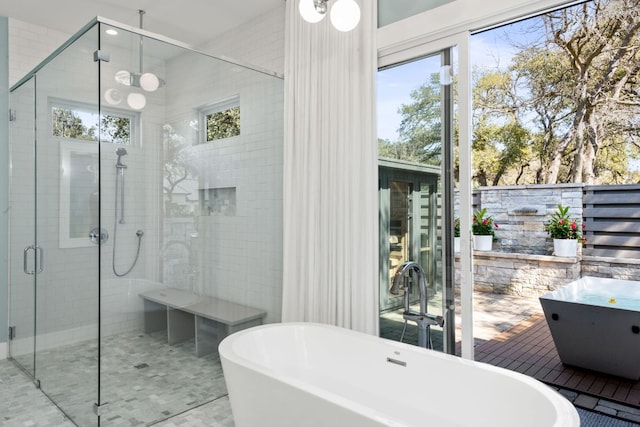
[(611, 215)]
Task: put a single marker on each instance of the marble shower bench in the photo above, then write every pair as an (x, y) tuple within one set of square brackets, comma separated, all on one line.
[(185, 316)]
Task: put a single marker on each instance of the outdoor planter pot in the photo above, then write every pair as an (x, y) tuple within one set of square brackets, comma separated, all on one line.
[(565, 247), (456, 244), (482, 242)]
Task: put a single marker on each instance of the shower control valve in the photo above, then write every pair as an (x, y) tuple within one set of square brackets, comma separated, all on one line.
[(98, 236)]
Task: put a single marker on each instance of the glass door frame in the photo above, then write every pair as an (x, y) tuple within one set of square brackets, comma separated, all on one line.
[(22, 281), (403, 53)]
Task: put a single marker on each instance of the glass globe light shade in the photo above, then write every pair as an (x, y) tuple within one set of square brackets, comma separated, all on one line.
[(308, 11), (123, 77), (345, 15), (137, 101), (149, 82), (113, 96)]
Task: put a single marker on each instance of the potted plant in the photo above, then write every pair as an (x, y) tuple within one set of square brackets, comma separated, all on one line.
[(456, 234), (565, 231), (483, 228)]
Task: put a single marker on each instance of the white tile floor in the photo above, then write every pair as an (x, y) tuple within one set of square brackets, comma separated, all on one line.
[(23, 405)]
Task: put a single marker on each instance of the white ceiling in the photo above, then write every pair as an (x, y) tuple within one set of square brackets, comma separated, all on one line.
[(190, 21)]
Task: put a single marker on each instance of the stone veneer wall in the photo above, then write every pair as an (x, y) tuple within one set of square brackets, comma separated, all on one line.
[(522, 274), (521, 211), (521, 262), (615, 268), (530, 275)]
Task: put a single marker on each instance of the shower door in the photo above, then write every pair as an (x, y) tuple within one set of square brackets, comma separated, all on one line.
[(54, 194), (22, 231)]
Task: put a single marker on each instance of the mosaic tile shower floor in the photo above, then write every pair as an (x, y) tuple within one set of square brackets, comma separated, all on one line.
[(144, 380)]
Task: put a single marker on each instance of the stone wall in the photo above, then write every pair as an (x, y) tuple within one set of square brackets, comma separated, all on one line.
[(521, 262), (521, 211), (614, 268), (522, 274), (534, 275)]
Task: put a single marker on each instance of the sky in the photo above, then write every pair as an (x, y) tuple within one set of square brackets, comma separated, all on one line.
[(488, 49)]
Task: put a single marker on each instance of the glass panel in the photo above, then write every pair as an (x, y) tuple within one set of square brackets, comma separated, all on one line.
[(411, 113), (390, 11), (66, 200), (22, 295), (195, 228), (399, 238)]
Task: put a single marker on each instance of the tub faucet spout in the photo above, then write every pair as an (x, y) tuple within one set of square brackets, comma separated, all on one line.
[(405, 274)]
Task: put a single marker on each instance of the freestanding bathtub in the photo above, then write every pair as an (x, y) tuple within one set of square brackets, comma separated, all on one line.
[(595, 324), (312, 375)]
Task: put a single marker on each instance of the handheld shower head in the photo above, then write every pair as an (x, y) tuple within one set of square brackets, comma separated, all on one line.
[(121, 151)]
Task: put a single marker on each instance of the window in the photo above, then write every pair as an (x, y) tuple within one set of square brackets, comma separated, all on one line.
[(82, 122), (221, 120)]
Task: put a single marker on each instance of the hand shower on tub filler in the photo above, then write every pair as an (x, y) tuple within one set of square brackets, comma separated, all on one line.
[(119, 203)]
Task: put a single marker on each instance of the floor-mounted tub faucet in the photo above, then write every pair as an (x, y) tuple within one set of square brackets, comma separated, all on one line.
[(408, 273)]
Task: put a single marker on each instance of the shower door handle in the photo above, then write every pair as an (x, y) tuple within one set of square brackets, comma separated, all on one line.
[(25, 260), (40, 258)]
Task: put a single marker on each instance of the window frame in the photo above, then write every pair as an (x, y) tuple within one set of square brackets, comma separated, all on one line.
[(76, 106)]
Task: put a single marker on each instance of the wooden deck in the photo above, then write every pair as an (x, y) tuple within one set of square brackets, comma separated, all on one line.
[(528, 348)]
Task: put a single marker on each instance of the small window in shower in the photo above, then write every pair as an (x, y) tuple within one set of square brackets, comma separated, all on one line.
[(81, 122), (221, 120)]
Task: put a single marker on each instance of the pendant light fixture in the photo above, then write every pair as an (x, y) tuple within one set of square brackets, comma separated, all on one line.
[(146, 81), (345, 14)]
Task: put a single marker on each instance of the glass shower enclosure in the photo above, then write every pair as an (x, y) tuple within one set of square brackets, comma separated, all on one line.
[(146, 222)]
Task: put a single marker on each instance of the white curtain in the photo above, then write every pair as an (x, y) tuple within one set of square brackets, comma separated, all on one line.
[(330, 174)]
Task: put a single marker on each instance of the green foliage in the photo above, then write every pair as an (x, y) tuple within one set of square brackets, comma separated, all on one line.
[(566, 109), (115, 129), (420, 127), (223, 124), (562, 226), (68, 124), (456, 227), (483, 224)]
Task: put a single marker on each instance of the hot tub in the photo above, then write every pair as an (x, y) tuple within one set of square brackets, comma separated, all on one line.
[(312, 375), (595, 324)]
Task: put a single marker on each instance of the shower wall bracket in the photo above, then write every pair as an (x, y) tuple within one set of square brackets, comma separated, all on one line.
[(100, 410), (99, 55)]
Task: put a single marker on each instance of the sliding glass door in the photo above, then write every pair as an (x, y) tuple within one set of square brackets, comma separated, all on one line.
[(415, 146)]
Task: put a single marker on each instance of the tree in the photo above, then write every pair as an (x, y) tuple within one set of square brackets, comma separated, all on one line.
[(420, 127), (573, 90), (68, 124), (115, 129), (600, 40), (501, 143), (223, 124), (177, 169)]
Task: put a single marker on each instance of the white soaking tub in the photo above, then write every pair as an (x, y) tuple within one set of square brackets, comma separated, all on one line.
[(595, 324), (312, 375)]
